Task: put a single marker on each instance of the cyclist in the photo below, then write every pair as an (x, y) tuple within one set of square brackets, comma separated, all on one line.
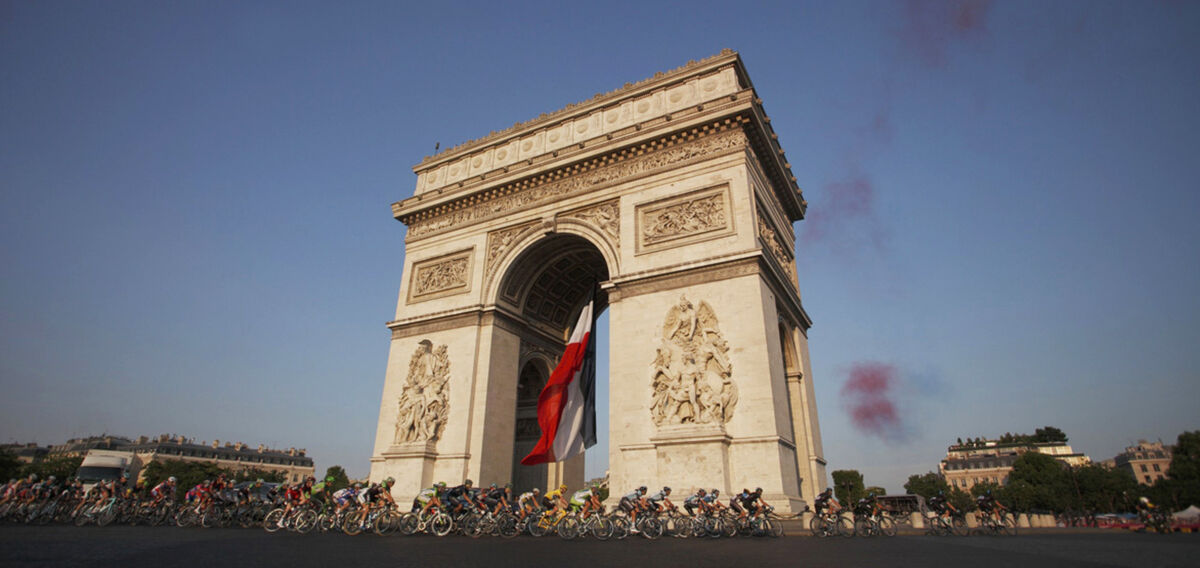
[(343, 497), (556, 501), (586, 500), (695, 501), (989, 506), (712, 502), (431, 497), (660, 502), (459, 496), (738, 503), (496, 498), (321, 491), (529, 502), (378, 495), (632, 503), (164, 490), (826, 500)]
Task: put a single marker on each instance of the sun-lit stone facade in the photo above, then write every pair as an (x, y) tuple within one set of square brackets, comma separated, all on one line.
[(672, 195)]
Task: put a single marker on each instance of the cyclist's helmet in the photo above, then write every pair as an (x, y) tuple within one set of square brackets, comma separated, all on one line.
[(536, 490), (871, 495), (33, 477), (492, 486), (666, 489), (171, 479), (508, 486), (329, 479), (440, 485), (562, 487), (702, 491), (988, 493), (941, 493), (51, 479), (758, 489), (389, 481), (716, 491), (258, 481), (468, 482), (1144, 500), (642, 489)]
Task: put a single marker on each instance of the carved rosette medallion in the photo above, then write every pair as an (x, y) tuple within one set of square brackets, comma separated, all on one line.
[(605, 217), (424, 403), (691, 376), (441, 276)]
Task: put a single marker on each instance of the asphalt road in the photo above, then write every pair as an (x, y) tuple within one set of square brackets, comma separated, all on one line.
[(163, 547)]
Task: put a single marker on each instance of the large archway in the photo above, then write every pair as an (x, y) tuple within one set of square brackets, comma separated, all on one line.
[(546, 285)]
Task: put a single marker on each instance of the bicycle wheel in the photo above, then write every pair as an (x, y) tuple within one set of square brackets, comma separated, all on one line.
[(862, 528), (816, 526), (271, 521), (441, 524), (352, 524), (958, 526), (681, 527), (844, 526), (774, 528), (305, 521), (887, 526), (621, 526), (508, 526), (387, 523), (1009, 525), (568, 528), (602, 527), (106, 516), (651, 527)]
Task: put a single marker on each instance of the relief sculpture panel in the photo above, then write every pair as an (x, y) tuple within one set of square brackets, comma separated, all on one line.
[(424, 403), (441, 276), (605, 217), (678, 221), (781, 253), (691, 376)]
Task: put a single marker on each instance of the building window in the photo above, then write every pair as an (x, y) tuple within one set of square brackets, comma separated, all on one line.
[(1156, 468), (1144, 470), (1147, 480), (1160, 477)]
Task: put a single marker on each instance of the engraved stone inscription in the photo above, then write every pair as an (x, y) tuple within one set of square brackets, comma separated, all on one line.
[(691, 376), (424, 404)]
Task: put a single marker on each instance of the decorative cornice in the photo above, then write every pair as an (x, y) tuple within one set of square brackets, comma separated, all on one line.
[(642, 159)]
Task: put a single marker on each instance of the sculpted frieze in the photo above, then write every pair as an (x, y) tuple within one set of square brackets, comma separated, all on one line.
[(581, 182), (605, 217), (686, 219), (782, 254), (499, 242), (691, 375), (424, 403), (441, 276)]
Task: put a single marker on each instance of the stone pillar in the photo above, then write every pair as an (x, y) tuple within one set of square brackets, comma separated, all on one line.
[(917, 519)]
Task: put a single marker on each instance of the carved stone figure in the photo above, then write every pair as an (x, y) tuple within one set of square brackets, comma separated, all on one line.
[(424, 404), (690, 217), (691, 376), (441, 276)]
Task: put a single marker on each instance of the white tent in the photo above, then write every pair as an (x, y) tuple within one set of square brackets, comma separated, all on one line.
[(1192, 512)]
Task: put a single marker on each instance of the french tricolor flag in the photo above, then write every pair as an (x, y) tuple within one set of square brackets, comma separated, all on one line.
[(567, 406)]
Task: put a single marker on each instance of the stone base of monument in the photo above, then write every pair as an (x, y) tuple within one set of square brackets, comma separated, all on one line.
[(692, 456), (411, 464)]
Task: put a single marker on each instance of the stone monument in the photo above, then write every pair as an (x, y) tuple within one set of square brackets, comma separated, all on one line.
[(674, 195)]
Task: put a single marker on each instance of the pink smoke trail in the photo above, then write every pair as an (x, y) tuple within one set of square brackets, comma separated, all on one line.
[(869, 397)]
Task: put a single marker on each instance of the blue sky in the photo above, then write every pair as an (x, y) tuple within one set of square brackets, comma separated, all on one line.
[(197, 236)]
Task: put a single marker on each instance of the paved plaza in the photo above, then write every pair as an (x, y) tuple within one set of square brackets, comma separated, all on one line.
[(163, 547)]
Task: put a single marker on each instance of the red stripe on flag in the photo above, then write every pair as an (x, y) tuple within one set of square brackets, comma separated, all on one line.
[(553, 399)]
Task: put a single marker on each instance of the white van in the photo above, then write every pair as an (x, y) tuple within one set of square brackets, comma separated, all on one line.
[(103, 465)]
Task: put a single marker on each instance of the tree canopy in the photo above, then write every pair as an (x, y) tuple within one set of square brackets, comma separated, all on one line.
[(848, 485)]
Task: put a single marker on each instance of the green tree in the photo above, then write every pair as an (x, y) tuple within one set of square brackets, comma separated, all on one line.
[(961, 499), (1049, 488), (877, 490), (1049, 434), (60, 467), (926, 485), (10, 466), (340, 479), (1101, 489), (848, 485)]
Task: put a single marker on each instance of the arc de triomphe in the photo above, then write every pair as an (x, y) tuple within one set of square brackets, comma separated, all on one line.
[(674, 194)]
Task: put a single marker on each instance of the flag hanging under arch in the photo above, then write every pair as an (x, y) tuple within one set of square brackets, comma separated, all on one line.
[(567, 406)]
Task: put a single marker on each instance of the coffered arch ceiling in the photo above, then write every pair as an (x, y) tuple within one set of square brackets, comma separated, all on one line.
[(550, 281)]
